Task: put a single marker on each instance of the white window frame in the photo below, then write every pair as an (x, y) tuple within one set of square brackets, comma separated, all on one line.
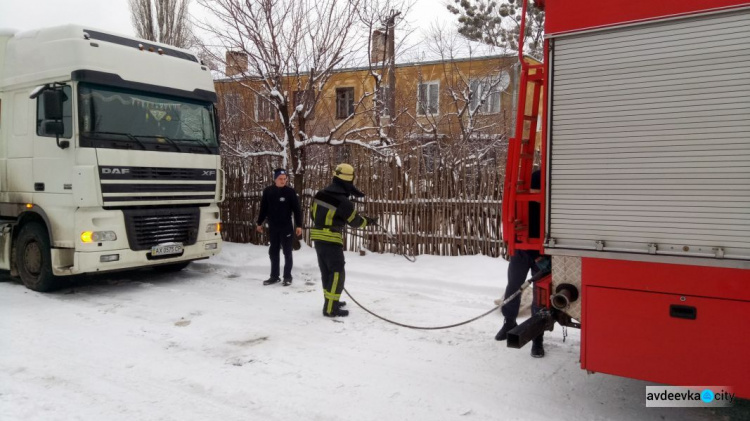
[(232, 103), (350, 107), (427, 107), (272, 110), (489, 106)]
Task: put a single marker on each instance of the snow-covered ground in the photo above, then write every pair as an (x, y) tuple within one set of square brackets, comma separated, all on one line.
[(212, 343)]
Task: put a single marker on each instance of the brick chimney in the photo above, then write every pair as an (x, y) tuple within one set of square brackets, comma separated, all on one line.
[(236, 63)]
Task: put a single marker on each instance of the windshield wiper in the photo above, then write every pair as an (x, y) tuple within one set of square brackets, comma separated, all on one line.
[(128, 135), (172, 142)]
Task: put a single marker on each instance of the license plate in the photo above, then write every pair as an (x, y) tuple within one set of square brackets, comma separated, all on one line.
[(166, 250)]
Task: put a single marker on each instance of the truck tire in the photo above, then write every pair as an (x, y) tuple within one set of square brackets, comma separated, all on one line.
[(172, 267), (33, 258)]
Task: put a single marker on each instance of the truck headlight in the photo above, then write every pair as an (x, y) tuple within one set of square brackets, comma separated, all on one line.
[(214, 227), (97, 236)]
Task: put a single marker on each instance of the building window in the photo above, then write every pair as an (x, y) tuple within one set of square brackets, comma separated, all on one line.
[(306, 99), (232, 104), (485, 93), (344, 102), (265, 110), (428, 100)]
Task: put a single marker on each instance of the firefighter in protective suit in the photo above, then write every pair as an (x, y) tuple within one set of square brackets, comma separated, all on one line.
[(331, 211)]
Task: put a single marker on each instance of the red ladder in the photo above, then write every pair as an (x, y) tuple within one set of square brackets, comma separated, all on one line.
[(517, 191)]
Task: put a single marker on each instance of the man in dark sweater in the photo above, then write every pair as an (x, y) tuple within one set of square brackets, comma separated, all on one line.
[(277, 206), (521, 263)]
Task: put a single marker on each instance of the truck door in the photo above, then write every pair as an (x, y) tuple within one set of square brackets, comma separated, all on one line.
[(52, 175)]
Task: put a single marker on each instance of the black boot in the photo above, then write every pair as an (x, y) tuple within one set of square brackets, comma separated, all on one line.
[(503, 333), (337, 310), (537, 347), (272, 280), (287, 281)]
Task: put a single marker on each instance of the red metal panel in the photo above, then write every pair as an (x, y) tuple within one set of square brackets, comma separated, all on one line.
[(627, 329), (542, 292), (577, 15), (668, 278), (631, 334)]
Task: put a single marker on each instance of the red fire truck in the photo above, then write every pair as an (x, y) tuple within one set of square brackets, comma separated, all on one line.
[(641, 114)]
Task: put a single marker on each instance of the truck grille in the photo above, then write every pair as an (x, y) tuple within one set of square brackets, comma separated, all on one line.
[(150, 227), (137, 186)]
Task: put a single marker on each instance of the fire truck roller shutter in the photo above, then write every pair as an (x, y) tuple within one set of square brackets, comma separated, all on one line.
[(650, 138)]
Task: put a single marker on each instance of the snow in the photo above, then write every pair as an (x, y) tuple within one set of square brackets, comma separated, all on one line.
[(276, 94), (212, 343), (34, 93)]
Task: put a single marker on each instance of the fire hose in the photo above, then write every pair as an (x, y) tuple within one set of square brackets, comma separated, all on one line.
[(409, 257), (525, 285)]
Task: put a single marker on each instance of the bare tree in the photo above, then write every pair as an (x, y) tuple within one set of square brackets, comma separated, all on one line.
[(469, 121), (473, 93), (165, 21), (292, 49)]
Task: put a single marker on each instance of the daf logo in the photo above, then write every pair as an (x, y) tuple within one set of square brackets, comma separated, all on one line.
[(115, 170), (209, 172)]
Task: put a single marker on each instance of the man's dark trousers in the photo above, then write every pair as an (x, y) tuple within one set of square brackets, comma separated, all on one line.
[(520, 264), (331, 263), (281, 238)]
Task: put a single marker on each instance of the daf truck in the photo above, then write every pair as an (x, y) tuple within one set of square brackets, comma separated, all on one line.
[(109, 155)]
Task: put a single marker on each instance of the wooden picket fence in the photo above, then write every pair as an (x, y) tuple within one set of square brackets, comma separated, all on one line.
[(444, 210)]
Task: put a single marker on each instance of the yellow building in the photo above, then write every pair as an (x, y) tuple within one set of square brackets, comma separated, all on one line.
[(467, 98)]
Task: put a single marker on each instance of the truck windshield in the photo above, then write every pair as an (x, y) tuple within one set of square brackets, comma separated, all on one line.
[(123, 118)]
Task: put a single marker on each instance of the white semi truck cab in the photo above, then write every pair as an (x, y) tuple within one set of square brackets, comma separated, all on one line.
[(109, 155)]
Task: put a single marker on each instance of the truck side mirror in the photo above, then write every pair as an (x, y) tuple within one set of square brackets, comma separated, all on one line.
[(55, 127), (53, 104)]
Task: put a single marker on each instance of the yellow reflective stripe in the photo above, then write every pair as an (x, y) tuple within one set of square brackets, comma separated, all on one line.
[(325, 233), (331, 296), (314, 211), (318, 233), (325, 230), (364, 223), (333, 288), (335, 281), (328, 239), (352, 216), (329, 218)]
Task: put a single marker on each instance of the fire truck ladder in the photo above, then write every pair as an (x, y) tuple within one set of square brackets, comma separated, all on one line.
[(517, 191)]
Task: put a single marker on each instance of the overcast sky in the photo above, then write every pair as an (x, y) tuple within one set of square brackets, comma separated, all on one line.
[(114, 15)]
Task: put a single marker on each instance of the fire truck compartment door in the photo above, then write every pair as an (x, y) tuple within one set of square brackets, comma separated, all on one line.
[(650, 138)]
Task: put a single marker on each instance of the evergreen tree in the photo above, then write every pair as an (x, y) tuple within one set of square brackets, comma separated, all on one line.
[(499, 23)]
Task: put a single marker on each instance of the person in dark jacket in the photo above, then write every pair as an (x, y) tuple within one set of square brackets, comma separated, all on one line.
[(331, 211), (278, 205), (521, 263)]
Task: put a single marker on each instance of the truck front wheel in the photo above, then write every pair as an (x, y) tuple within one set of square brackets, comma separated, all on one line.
[(33, 259)]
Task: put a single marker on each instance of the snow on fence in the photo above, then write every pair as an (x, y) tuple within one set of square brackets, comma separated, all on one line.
[(444, 210)]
